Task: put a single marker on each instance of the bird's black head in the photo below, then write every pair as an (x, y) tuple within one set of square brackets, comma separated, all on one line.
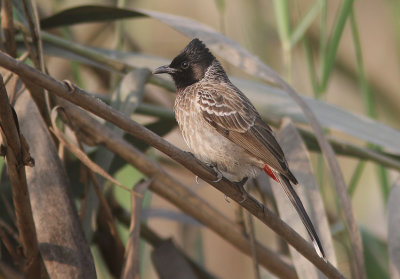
[(190, 65)]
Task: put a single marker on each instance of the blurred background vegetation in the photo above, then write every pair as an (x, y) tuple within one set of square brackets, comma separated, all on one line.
[(342, 52)]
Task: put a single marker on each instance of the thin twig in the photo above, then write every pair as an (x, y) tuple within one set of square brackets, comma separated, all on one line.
[(4, 225), (34, 33), (342, 147), (8, 76), (8, 27), (132, 254)]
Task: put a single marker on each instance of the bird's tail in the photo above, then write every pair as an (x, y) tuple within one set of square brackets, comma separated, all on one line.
[(298, 205)]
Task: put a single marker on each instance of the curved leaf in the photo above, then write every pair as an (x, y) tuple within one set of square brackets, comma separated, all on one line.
[(308, 191)]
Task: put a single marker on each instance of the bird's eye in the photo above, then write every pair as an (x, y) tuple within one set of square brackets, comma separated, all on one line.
[(185, 65)]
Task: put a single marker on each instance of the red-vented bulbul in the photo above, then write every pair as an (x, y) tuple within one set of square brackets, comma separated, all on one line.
[(223, 129)]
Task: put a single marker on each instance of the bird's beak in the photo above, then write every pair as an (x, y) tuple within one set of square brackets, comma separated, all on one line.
[(166, 69)]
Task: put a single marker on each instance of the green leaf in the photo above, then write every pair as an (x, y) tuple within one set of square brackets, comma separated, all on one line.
[(329, 59), (356, 177), (305, 23), (283, 19), (85, 14), (375, 256)]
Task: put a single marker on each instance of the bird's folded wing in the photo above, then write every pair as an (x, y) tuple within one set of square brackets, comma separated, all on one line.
[(230, 112)]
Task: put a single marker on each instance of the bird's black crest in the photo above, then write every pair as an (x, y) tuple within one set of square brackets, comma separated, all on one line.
[(195, 52), (198, 57), (198, 51)]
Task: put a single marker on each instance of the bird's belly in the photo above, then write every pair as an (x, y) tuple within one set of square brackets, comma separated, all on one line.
[(211, 147)]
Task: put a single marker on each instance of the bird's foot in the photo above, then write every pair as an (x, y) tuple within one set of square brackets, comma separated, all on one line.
[(217, 173), (240, 184)]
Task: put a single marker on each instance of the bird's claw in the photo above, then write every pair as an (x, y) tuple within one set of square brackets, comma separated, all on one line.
[(240, 185), (244, 196), (219, 176), (217, 172)]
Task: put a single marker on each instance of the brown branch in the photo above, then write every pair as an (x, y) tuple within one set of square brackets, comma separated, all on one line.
[(344, 148), (16, 171), (79, 97), (8, 27), (34, 32)]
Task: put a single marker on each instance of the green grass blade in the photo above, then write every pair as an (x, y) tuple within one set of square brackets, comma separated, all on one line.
[(221, 7), (305, 23), (369, 102), (329, 58), (283, 21), (384, 180), (311, 68), (323, 28), (356, 177), (376, 255), (367, 94)]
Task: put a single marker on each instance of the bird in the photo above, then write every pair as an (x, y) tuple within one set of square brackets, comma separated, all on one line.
[(223, 129)]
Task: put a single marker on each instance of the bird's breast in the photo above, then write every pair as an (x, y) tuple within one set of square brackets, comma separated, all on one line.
[(206, 143)]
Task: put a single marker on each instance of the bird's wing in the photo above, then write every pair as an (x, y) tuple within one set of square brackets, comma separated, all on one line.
[(230, 112)]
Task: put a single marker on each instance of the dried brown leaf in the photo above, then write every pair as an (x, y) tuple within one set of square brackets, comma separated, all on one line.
[(79, 153), (132, 253)]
